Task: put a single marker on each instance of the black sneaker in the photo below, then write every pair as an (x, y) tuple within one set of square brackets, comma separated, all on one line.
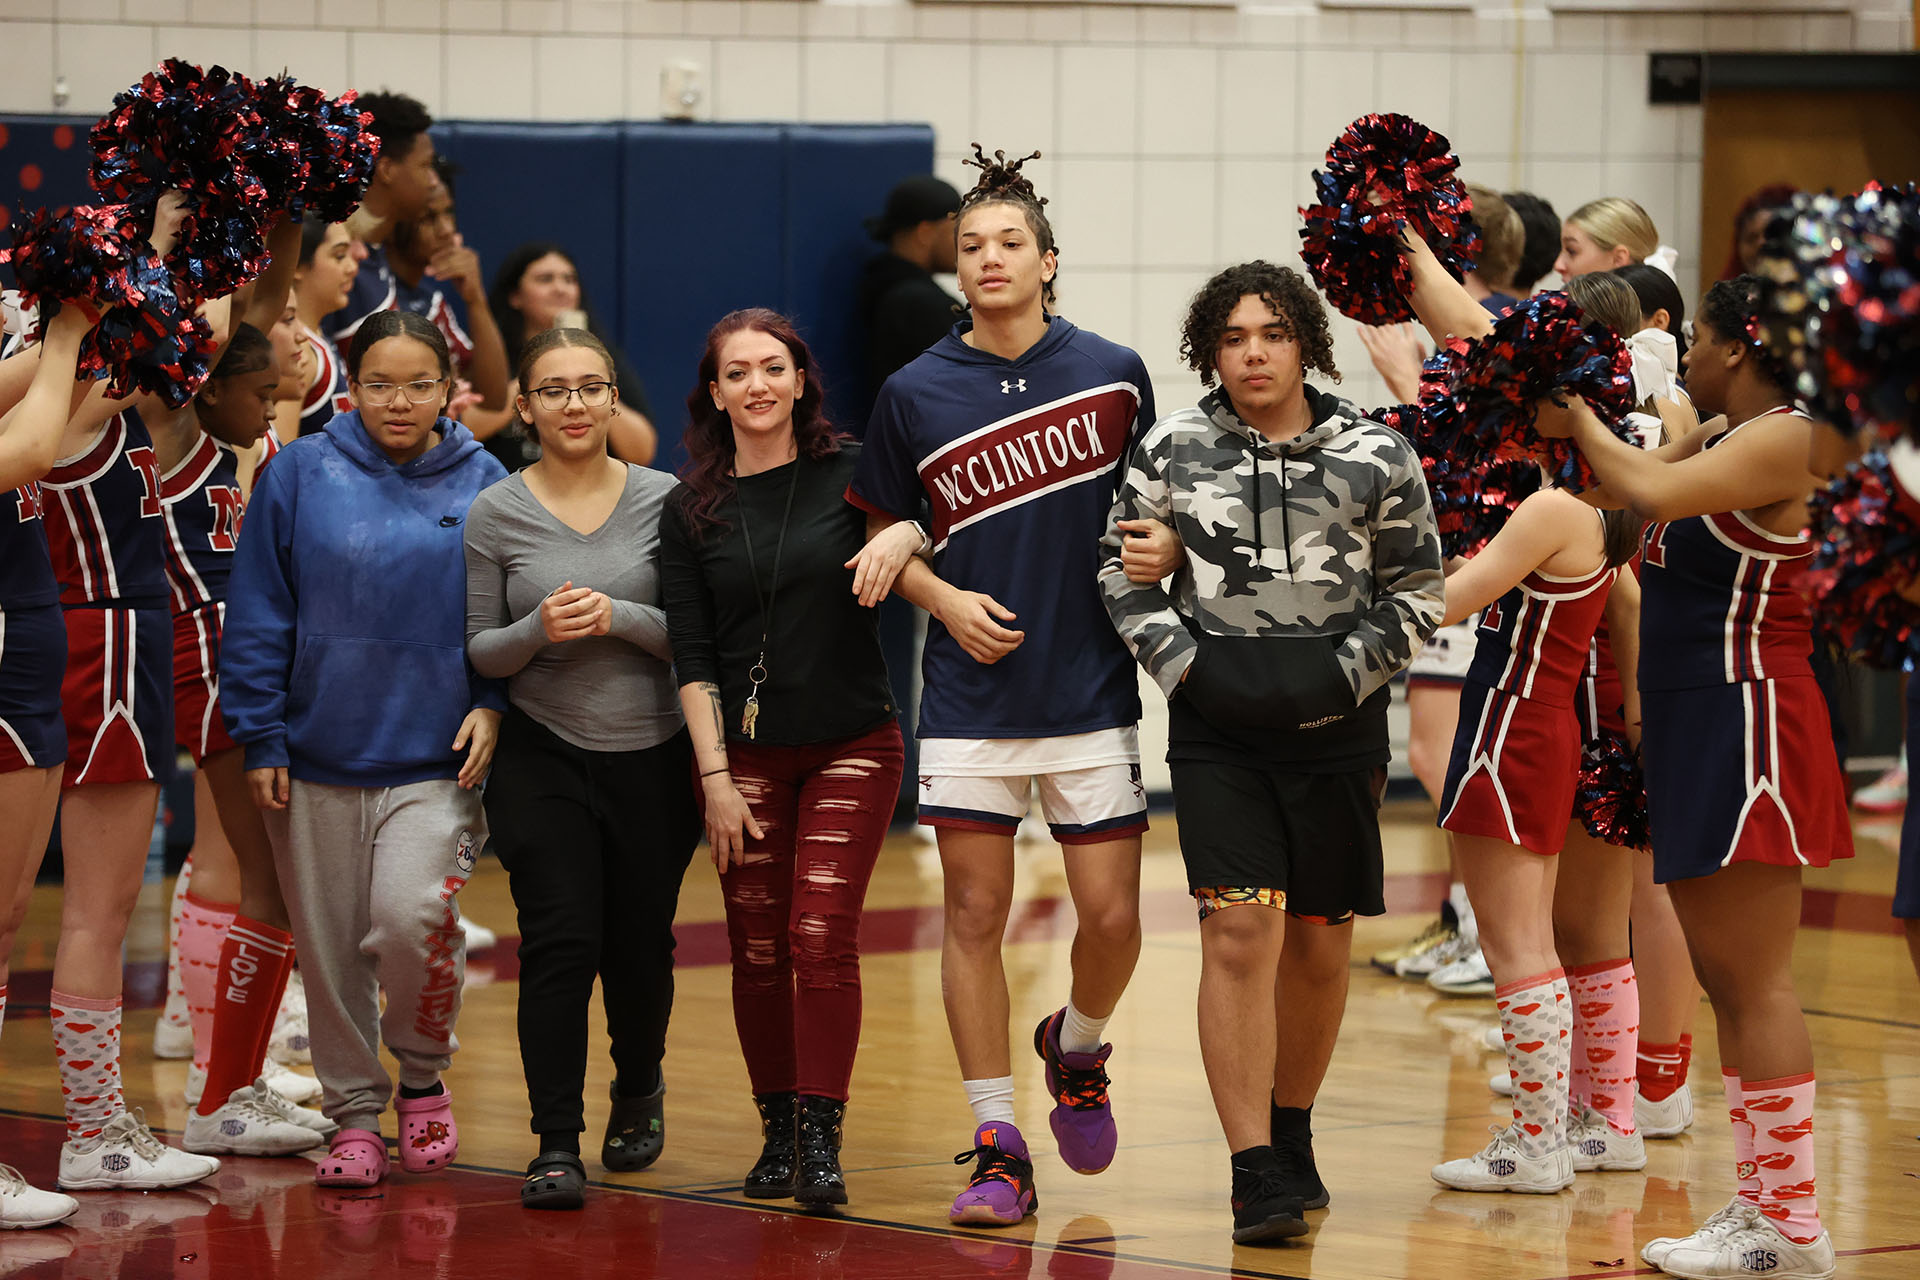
[(1301, 1175), (1264, 1208), (1292, 1132)]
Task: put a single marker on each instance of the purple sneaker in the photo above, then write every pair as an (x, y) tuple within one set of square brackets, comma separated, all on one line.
[(1082, 1116), (1000, 1193)]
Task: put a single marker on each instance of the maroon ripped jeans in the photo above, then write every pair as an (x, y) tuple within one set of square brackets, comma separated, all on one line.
[(793, 908)]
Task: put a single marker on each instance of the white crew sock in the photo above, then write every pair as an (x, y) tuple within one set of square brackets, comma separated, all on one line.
[(991, 1100), (1079, 1033), (1463, 908)]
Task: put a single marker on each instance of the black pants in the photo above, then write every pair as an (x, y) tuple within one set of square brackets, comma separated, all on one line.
[(595, 844)]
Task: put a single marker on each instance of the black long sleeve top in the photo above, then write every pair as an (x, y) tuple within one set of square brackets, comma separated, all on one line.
[(826, 678)]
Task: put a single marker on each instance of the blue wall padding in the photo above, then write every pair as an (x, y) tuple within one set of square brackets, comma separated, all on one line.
[(673, 225)]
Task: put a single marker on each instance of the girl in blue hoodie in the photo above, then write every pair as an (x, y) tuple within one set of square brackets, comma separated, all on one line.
[(344, 676)]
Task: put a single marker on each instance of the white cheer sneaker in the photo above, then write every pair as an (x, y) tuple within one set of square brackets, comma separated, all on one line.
[(1503, 1166), (1468, 975), (1668, 1118), (1598, 1148), (1729, 1217), (305, 1117), (1753, 1248), (289, 1084), (127, 1157), (171, 1039), (23, 1205), (247, 1124), (289, 1044)]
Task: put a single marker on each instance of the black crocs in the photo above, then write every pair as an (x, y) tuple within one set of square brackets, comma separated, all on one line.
[(555, 1180), (636, 1130)]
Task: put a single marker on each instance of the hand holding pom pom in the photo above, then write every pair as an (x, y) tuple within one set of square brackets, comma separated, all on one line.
[(1612, 795), (1386, 174)]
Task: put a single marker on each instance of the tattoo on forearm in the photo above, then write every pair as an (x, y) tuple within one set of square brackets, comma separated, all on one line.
[(719, 715)]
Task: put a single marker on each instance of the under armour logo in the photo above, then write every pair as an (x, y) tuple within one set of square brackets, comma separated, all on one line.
[(1008, 388)]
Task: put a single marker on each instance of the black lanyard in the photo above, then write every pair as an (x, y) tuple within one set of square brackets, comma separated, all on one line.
[(750, 715)]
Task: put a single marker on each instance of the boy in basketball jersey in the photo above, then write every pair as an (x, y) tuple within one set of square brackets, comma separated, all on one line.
[(1312, 576), (1013, 428)]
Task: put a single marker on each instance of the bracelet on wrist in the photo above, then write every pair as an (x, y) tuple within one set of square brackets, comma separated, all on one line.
[(722, 769)]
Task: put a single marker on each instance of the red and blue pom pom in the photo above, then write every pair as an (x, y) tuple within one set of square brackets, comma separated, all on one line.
[(1471, 503), (151, 338), (1867, 555), (1839, 311), (324, 150), (1383, 173), (1478, 405), (1611, 797), (180, 127)]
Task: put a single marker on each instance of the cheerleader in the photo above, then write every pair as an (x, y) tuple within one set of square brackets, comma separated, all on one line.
[(105, 532), (321, 286), (33, 655), (1545, 582), (1742, 781), (234, 935)]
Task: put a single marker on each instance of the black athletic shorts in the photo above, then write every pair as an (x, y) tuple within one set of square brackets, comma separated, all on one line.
[(1306, 842)]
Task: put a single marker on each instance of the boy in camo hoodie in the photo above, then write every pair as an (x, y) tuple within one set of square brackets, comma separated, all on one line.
[(1312, 575)]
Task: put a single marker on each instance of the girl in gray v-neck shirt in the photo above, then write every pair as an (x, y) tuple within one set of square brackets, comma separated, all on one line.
[(603, 693)]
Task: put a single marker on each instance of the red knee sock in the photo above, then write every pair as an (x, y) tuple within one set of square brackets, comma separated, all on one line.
[(1662, 1068), (1781, 1113), (253, 971)]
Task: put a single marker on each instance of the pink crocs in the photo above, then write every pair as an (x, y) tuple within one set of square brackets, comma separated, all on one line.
[(429, 1139), (357, 1158)]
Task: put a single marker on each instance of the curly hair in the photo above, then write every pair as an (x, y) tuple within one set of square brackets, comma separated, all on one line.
[(1281, 288), (1732, 310), (1001, 182), (708, 473)]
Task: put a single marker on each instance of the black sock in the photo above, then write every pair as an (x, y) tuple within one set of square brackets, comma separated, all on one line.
[(1291, 1122), (1251, 1160), (640, 1086), (567, 1141), (408, 1091)]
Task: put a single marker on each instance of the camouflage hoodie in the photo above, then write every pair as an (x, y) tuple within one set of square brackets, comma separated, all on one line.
[(1312, 566)]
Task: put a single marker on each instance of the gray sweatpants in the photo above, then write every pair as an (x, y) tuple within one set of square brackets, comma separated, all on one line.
[(369, 875)]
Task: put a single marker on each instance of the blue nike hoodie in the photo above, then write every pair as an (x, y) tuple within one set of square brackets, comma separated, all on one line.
[(343, 654)]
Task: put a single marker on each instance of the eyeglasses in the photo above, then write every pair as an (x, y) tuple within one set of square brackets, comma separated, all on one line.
[(385, 393), (593, 395)]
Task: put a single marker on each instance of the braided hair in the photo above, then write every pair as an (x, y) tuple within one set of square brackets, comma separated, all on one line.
[(1001, 182)]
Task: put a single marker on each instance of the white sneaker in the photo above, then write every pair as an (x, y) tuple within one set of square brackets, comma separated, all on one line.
[(1494, 1039), (127, 1157), (1886, 794), (479, 937), (246, 1125), (1597, 1148), (1443, 952), (296, 1087), (289, 1044), (173, 1040), (1501, 1082), (289, 1084), (1755, 1248), (305, 1117), (1466, 976), (1668, 1118), (1728, 1218), (23, 1205), (1503, 1166)]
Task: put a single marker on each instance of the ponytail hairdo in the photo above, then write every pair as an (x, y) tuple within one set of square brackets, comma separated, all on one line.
[(1001, 182)]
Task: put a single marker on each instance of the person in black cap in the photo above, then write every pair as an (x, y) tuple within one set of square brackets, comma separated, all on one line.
[(905, 309)]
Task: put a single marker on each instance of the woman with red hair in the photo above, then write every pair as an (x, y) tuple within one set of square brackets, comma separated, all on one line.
[(769, 584)]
